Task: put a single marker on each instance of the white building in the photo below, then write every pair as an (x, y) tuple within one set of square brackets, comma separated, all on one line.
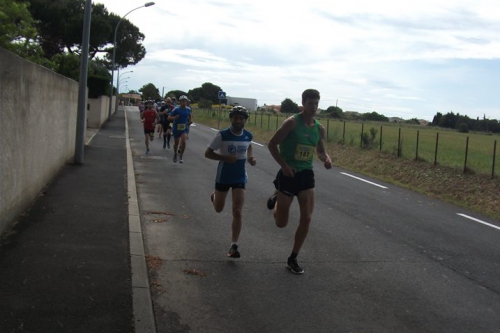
[(249, 103)]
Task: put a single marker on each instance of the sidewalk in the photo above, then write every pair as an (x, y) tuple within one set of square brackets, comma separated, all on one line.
[(65, 266)]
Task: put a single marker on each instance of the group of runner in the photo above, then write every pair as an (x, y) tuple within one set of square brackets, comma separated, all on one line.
[(292, 146), (168, 119)]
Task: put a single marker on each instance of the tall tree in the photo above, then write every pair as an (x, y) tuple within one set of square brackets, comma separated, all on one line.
[(208, 91), (18, 32), (333, 111), (289, 106), (60, 24), (149, 91)]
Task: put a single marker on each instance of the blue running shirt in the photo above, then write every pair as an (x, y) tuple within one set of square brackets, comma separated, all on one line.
[(230, 144), (180, 125)]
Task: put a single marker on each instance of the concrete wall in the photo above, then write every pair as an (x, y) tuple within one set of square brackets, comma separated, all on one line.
[(38, 110), (98, 109)]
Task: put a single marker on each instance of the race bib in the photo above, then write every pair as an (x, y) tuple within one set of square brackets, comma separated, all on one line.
[(181, 127), (304, 152)]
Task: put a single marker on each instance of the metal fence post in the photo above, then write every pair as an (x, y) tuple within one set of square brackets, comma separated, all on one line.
[(416, 149), (362, 129), (327, 128), (380, 143), (399, 142), (343, 134), (494, 155), (466, 153), (436, 151)]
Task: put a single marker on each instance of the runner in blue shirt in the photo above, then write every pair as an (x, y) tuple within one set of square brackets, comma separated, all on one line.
[(181, 117), (234, 150)]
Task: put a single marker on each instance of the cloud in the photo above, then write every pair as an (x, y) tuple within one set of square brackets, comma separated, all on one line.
[(397, 57)]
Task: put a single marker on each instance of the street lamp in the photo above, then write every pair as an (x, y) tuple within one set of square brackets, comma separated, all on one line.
[(147, 4)]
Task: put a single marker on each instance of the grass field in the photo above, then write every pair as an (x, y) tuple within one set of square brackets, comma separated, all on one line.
[(451, 145)]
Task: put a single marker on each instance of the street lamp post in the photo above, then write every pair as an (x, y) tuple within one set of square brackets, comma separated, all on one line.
[(118, 80), (147, 4)]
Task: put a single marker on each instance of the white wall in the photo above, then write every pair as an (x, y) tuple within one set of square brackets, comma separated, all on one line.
[(38, 110), (249, 103)]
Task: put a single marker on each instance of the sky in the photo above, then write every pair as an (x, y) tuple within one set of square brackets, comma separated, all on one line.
[(407, 59)]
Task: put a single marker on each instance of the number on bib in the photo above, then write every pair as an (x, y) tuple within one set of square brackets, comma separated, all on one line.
[(304, 152), (181, 127)]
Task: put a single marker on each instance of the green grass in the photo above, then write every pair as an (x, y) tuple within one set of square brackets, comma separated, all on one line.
[(451, 148)]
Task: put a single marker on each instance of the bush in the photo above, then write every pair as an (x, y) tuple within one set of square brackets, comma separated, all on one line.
[(98, 86), (205, 104), (463, 128)]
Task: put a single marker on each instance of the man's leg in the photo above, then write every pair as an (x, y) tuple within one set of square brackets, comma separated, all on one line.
[(183, 144), (281, 210), (146, 136), (176, 145), (238, 201), (169, 134), (219, 200), (306, 203)]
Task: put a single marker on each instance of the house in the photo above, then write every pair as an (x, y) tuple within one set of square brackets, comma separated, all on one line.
[(249, 103)]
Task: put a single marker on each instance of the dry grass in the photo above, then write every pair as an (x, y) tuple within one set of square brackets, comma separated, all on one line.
[(478, 193)]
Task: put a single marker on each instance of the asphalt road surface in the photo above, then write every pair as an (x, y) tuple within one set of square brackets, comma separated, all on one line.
[(378, 258)]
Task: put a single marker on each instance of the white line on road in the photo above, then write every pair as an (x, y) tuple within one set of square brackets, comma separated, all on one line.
[(363, 180), (478, 221)]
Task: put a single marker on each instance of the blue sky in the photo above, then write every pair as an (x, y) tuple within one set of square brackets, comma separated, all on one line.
[(403, 59)]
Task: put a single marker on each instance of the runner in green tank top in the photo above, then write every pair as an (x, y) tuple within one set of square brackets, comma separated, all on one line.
[(293, 146)]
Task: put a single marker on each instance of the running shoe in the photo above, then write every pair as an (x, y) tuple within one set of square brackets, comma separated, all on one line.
[(181, 161), (271, 202), (175, 158), (233, 252), (294, 267)]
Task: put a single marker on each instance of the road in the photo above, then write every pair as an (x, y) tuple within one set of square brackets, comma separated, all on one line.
[(378, 258)]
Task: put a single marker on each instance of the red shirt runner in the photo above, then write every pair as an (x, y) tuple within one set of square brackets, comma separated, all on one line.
[(149, 119)]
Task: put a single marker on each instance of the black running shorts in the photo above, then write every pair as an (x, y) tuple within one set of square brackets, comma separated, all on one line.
[(225, 187), (303, 180)]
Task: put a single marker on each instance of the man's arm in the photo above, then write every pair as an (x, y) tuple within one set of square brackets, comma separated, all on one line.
[(320, 149), (278, 137), (211, 154), (250, 158)]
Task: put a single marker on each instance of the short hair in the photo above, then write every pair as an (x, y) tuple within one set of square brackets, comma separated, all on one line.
[(310, 93)]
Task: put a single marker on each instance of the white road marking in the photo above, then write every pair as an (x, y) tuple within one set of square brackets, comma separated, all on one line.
[(478, 221), (363, 180)]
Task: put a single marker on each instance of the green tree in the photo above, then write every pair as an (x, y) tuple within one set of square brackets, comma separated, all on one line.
[(208, 91), (205, 104), (374, 116), (333, 112), (60, 23), (18, 32), (149, 91), (176, 94), (289, 106), (69, 66)]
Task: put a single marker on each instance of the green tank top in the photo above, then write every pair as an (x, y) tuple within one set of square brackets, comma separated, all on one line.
[(298, 148)]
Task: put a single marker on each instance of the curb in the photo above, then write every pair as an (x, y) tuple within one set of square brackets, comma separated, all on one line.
[(142, 305)]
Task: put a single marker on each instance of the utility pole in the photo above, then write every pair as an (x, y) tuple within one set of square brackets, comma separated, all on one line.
[(82, 88)]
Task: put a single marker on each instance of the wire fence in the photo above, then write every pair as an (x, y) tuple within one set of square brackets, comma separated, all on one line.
[(468, 152)]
